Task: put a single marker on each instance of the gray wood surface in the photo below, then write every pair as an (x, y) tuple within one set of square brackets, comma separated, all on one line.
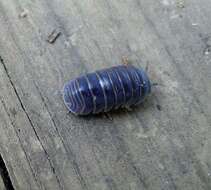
[(163, 144), (2, 186)]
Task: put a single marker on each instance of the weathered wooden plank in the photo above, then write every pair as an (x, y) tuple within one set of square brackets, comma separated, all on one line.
[(10, 147), (149, 148), (2, 186)]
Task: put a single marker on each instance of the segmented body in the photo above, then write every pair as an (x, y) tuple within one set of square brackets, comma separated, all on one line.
[(103, 90)]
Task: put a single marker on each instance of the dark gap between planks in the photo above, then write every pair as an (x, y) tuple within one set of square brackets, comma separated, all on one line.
[(5, 175)]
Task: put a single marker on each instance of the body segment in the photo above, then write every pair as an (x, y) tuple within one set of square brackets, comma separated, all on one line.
[(106, 89)]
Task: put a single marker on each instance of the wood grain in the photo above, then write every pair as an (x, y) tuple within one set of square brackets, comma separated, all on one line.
[(162, 144), (2, 186)]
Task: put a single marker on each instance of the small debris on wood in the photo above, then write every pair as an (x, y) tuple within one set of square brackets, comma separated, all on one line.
[(155, 84), (180, 4), (24, 13), (195, 24), (207, 50), (159, 107), (125, 60), (53, 36)]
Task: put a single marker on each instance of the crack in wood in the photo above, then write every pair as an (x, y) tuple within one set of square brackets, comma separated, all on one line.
[(30, 121), (21, 144), (5, 175), (68, 150)]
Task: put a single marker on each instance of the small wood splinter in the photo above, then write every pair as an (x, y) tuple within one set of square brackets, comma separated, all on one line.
[(53, 36), (125, 61), (24, 13)]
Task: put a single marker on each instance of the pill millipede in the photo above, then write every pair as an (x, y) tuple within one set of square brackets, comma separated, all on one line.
[(106, 89)]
